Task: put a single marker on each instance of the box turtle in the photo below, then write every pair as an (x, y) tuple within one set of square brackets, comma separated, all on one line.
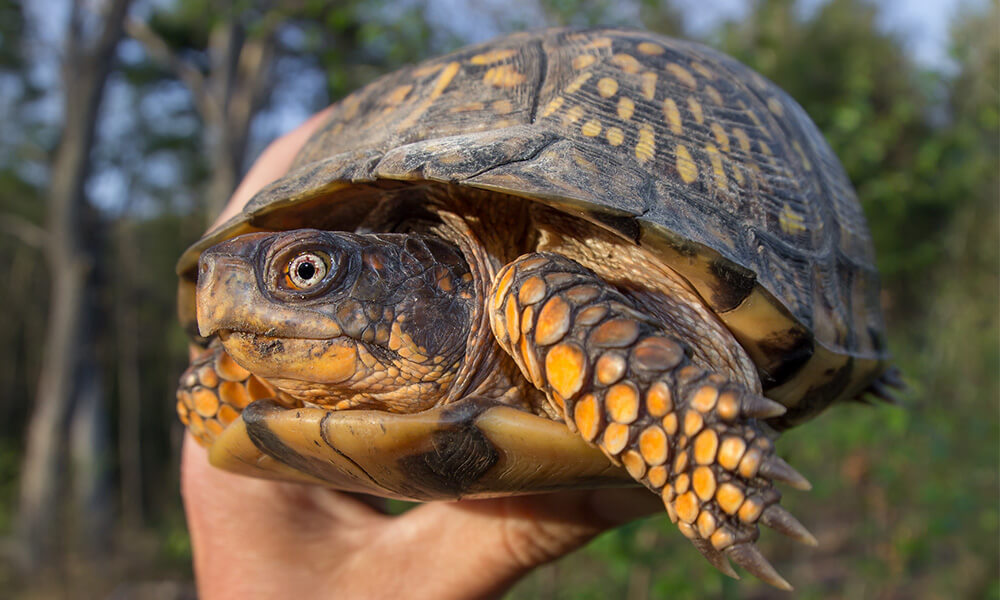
[(560, 259)]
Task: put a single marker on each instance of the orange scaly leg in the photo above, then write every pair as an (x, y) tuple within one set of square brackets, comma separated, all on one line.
[(213, 391), (628, 387)]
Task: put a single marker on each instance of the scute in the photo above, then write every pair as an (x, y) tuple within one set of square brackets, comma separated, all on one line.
[(472, 450), (668, 143)]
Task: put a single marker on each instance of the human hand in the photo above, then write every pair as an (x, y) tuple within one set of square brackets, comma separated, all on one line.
[(255, 538)]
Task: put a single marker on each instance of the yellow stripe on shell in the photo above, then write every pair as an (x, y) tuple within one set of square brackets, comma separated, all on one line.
[(615, 136), (553, 105), (575, 85), (741, 137), (686, 167), (775, 106), (715, 158), (494, 56), (650, 48), (583, 61), (626, 107), (607, 87), (504, 76), (720, 136), (673, 116), (695, 107), (703, 70), (442, 81), (591, 128), (627, 63), (713, 95), (682, 75), (645, 147), (573, 115), (648, 85)]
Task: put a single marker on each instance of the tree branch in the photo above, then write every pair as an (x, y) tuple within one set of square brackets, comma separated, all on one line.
[(191, 76), (24, 230)]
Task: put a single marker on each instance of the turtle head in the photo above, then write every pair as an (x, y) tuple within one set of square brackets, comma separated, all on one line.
[(375, 321)]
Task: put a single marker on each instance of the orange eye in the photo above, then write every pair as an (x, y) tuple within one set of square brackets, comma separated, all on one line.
[(306, 271)]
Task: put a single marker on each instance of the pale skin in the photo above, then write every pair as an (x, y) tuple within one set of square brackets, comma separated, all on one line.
[(254, 538)]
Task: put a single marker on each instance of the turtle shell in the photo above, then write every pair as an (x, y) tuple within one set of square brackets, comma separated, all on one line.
[(669, 144)]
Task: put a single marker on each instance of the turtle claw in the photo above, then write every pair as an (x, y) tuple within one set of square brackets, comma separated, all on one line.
[(759, 407), (715, 557), (782, 521), (746, 555), (775, 468)]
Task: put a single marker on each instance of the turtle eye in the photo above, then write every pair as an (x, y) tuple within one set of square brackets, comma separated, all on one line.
[(306, 271)]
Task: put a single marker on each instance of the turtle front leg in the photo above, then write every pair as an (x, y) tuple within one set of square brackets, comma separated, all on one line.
[(213, 391), (629, 387)]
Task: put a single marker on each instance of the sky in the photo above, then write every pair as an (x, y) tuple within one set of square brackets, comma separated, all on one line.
[(922, 24)]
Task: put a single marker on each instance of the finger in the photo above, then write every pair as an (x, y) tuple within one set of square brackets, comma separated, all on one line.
[(272, 163), (250, 538), (487, 545)]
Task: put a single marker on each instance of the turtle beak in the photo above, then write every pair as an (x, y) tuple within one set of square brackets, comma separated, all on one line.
[(225, 282), (229, 297)]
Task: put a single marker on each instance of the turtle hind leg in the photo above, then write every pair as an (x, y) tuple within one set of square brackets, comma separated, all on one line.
[(213, 391), (630, 388)]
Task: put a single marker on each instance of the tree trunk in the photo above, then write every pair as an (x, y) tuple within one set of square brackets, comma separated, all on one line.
[(127, 335), (70, 260), (239, 67)]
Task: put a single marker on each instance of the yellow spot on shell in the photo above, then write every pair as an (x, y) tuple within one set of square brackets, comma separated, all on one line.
[(648, 85), (720, 136), (573, 115), (625, 108), (601, 42), (615, 136), (447, 74), (591, 128), (741, 137), (682, 75), (713, 95), (685, 165), (427, 70), (607, 87), (503, 107), (764, 147), (703, 70), (738, 174), (398, 94), (646, 146), (626, 62), (553, 105), (791, 222), (753, 117), (469, 107), (575, 85), (488, 58), (695, 107), (650, 48), (775, 107), (806, 163), (503, 76), (720, 172), (583, 61), (673, 116)]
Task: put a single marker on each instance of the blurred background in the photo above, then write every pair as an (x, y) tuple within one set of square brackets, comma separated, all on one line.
[(127, 124)]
